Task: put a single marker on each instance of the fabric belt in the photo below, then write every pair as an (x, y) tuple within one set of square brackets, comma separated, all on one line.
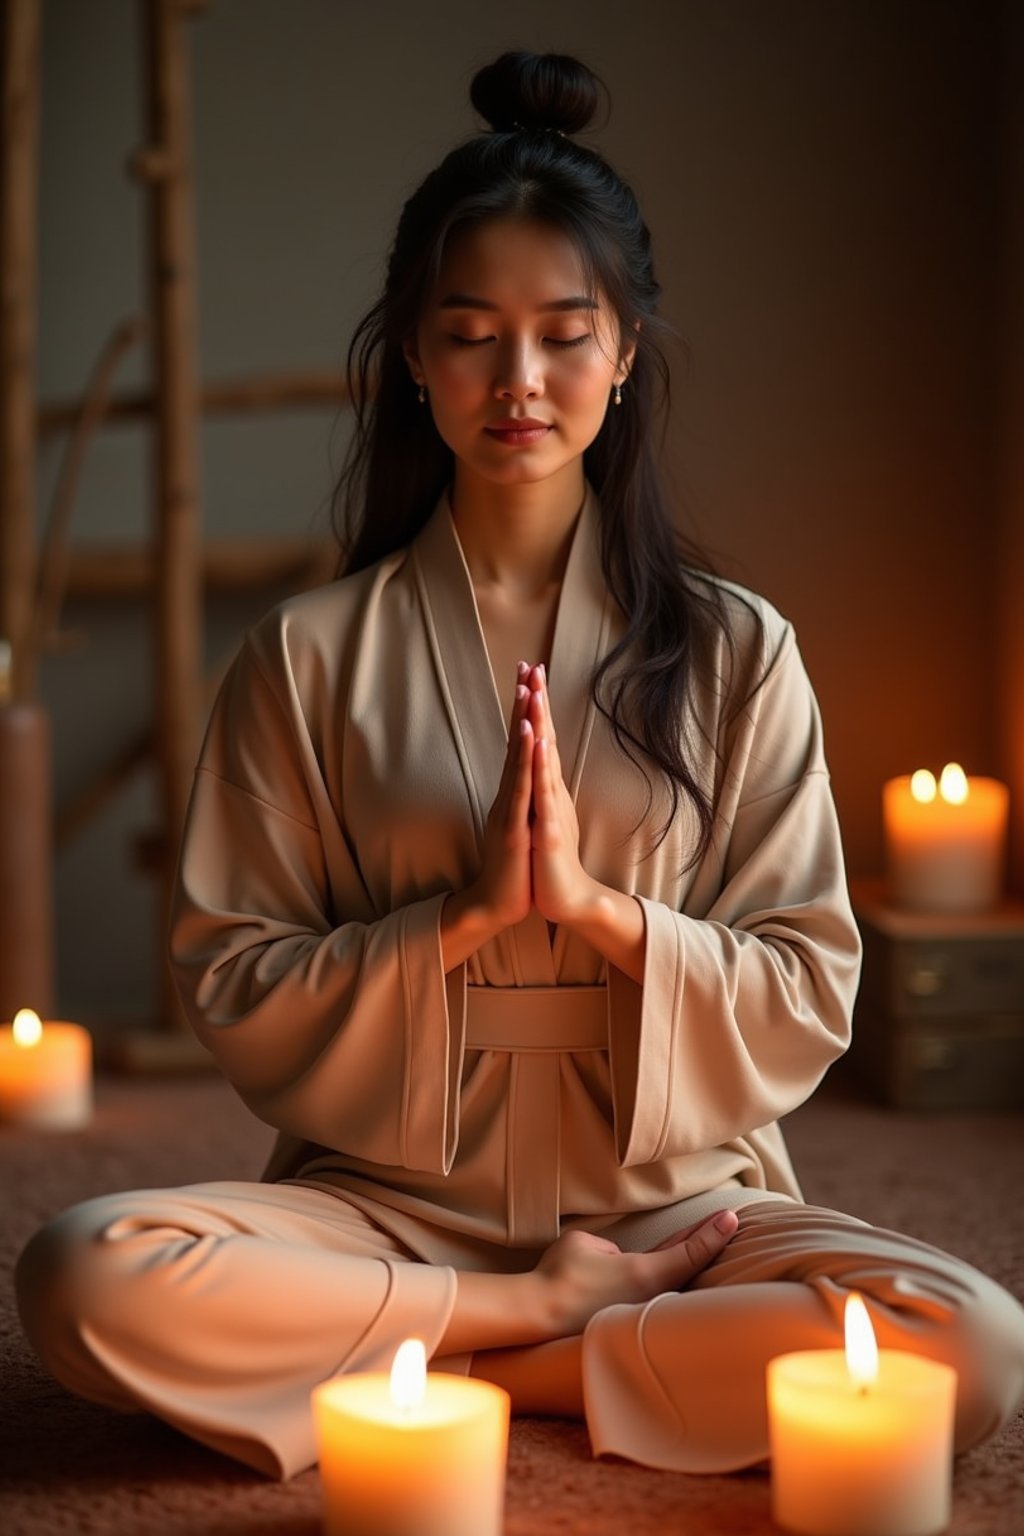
[(535, 1025)]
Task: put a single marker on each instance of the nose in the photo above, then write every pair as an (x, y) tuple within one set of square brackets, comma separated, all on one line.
[(519, 374)]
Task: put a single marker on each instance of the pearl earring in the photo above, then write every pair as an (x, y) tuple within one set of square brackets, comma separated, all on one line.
[(618, 394), (423, 393)]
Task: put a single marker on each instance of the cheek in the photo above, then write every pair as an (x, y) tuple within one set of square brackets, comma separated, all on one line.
[(586, 390), (458, 378)]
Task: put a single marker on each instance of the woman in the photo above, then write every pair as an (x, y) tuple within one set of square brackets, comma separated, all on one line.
[(512, 895)]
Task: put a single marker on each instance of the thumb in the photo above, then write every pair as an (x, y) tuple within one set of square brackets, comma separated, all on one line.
[(685, 1255), (731, 1222)]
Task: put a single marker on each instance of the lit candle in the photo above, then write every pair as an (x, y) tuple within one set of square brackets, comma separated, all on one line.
[(861, 1439), (945, 842), (411, 1454), (45, 1073)]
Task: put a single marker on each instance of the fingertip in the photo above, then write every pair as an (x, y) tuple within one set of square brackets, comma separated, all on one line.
[(726, 1223)]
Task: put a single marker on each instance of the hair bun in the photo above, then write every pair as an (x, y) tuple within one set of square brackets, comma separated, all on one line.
[(535, 90)]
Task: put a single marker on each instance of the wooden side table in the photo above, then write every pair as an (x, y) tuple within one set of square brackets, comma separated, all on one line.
[(939, 1021)]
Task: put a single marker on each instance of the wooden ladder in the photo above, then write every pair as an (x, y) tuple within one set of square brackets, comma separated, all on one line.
[(177, 567)]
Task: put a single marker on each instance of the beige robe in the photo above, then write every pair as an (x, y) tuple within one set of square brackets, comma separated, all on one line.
[(350, 763), (351, 759)]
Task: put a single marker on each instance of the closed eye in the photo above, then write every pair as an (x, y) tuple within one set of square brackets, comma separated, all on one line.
[(555, 341)]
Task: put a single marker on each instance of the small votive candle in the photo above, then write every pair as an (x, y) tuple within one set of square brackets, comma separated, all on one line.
[(45, 1073), (861, 1439), (411, 1454), (945, 842)]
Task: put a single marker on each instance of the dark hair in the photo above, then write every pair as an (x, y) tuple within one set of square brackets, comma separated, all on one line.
[(527, 167)]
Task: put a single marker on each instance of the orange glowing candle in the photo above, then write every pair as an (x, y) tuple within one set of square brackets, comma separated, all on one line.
[(411, 1454), (861, 1438), (945, 841), (45, 1073)]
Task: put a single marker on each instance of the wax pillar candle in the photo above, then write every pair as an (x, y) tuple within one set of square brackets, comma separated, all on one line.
[(45, 1073), (945, 842), (411, 1457), (861, 1446)]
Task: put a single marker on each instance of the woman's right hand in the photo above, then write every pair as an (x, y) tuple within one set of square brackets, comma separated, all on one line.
[(583, 1272), (502, 893), (502, 890)]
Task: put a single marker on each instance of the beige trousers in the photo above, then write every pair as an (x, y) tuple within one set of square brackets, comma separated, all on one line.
[(218, 1307)]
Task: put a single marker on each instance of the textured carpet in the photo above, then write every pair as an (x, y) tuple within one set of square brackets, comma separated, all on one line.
[(69, 1466)]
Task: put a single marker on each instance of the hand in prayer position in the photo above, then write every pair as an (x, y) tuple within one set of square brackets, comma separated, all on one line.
[(531, 855), (531, 841)]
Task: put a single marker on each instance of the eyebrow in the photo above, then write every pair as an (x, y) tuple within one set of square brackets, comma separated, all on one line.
[(467, 301)]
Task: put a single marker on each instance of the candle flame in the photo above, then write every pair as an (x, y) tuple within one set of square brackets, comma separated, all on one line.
[(861, 1348), (27, 1029), (409, 1374), (922, 786), (953, 784)]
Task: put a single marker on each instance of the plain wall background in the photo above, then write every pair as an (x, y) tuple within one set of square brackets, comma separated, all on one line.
[(834, 193)]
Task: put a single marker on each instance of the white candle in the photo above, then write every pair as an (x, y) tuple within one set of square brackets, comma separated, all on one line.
[(411, 1454), (945, 842), (861, 1440), (45, 1073)]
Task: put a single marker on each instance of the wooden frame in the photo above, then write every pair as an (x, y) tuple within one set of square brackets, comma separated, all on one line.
[(175, 566)]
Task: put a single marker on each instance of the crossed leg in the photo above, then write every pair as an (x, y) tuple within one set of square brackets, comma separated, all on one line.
[(219, 1306), (679, 1382)]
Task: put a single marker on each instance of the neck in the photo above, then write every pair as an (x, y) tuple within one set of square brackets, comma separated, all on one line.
[(517, 537)]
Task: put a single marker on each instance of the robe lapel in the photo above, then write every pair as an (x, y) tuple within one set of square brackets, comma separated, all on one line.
[(460, 656), (581, 638)]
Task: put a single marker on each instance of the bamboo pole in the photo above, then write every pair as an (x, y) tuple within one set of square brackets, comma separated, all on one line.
[(228, 565), (18, 193), (55, 556), (166, 167), (260, 392), (26, 855)]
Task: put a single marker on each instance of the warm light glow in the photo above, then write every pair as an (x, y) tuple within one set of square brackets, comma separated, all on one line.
[(953, 784), (27, 1029), (861, 1348), (409, 1375), (922, 786)]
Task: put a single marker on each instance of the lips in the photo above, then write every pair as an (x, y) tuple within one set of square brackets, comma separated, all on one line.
[(518, 432)]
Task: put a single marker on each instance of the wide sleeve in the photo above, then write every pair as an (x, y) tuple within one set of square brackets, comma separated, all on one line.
[(743, 1008), (332, 1023)]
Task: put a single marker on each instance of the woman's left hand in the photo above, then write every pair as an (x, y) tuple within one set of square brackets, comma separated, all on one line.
[(561, 886)]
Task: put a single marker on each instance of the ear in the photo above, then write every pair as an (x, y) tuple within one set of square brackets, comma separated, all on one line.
[(627, 355), (412, 357)]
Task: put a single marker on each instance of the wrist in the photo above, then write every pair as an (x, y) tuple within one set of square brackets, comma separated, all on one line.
[(545, 1305), (466, 924), (591, 910), (613, 923)]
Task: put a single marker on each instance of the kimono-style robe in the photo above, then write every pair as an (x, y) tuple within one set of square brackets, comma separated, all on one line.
[(351, 760), (352, 757)]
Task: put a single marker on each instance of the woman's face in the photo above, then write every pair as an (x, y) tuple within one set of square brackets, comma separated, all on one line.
[(508, 336)]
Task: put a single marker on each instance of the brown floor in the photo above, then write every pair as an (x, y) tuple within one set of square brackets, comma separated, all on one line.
[(67, 1466)]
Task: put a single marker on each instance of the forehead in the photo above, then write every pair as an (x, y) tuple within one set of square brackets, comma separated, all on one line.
[(510, 260)]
